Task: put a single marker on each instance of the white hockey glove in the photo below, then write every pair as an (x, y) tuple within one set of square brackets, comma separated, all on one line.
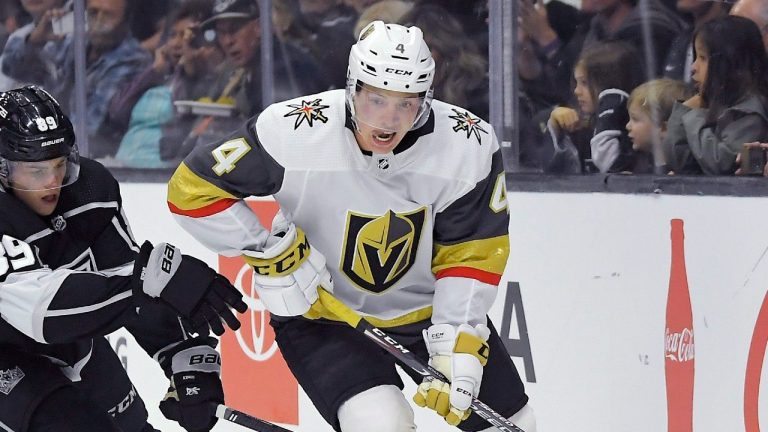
[(287, 273), (459, 353)]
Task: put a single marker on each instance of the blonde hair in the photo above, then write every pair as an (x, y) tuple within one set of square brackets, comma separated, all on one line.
[(389, 11), (657, 97)]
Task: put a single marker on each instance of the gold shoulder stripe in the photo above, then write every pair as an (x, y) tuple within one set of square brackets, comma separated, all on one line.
[(188, 191), (489, 255)]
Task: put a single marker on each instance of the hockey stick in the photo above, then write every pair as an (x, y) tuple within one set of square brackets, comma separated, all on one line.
[(245, 420), (410, 359)]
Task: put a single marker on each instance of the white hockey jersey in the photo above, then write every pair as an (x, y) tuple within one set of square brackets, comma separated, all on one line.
[(416, 233)]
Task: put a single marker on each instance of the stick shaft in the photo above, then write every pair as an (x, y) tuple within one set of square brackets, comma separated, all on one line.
[(245, 420), (407, 357)]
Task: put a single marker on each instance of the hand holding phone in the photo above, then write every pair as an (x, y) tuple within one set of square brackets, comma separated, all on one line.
[(752, 159), (64, 24)]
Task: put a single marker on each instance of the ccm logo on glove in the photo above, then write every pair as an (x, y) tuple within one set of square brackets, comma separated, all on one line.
[(288, 261)]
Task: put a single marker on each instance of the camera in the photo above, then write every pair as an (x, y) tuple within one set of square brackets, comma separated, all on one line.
[(202, 38)]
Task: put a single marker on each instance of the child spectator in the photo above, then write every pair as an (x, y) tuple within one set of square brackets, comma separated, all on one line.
[(706, 132), (650, 106), (604, 74)]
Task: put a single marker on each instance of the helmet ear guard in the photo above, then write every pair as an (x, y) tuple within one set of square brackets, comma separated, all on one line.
[(394, 58)]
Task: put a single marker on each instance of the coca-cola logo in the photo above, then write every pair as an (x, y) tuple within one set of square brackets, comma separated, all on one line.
[(679, 346)]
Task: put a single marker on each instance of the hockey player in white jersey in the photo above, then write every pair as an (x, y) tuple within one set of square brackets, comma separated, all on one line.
[(394, 202), (71, 272)]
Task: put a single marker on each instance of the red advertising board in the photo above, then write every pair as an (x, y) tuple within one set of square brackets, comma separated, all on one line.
[(255, 377)]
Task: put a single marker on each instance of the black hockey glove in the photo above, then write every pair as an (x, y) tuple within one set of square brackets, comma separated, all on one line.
[(195, 389), (189, 286)]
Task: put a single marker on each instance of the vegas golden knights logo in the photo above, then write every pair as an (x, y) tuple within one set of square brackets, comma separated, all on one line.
[(379, 250)]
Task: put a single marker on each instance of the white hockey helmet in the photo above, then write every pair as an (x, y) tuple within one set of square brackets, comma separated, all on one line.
[(391, 57)]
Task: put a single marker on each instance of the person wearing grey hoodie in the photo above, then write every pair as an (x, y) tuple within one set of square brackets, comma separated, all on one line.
[(706, 132)]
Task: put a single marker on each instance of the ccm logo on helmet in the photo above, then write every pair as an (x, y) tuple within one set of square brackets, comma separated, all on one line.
[(398, 71)]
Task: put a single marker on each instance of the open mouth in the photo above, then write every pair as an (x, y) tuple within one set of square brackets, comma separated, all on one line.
[(235, 55), (50, 199), (383, 139)]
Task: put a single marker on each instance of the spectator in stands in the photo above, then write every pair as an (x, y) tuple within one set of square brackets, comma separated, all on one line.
[(472, 14), (626, 20), (650, 106), (678, 63), (548, 55), (330, 36), (604, 75), (550, 37), (183, 68), (461, 72), (12, 17), (389, 11), (150, 22), (30, 11), (238, 82), (113, 58), (287, 21), (360, 5), (707, 131), (757, 11)]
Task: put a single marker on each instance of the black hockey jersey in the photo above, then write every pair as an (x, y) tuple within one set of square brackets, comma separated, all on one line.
[(66, 278)]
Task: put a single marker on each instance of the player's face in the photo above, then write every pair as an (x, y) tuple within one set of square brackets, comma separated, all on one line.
[(383, 117), (38, 184), (640, 128)]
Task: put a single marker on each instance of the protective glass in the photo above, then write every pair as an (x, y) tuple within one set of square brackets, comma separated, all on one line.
[(43, 175), (386, 111)]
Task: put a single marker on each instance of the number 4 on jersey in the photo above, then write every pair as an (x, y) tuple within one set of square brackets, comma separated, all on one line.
[(227, 155), (14, 254), (499, 196)]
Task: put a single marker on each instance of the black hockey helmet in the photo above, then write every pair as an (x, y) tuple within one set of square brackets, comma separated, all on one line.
[(33, 128)]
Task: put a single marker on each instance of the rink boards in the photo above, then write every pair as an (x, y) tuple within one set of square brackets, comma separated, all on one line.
[(582, 307)]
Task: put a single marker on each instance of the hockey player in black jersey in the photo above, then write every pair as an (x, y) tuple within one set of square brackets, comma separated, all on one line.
[(71, 272)]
